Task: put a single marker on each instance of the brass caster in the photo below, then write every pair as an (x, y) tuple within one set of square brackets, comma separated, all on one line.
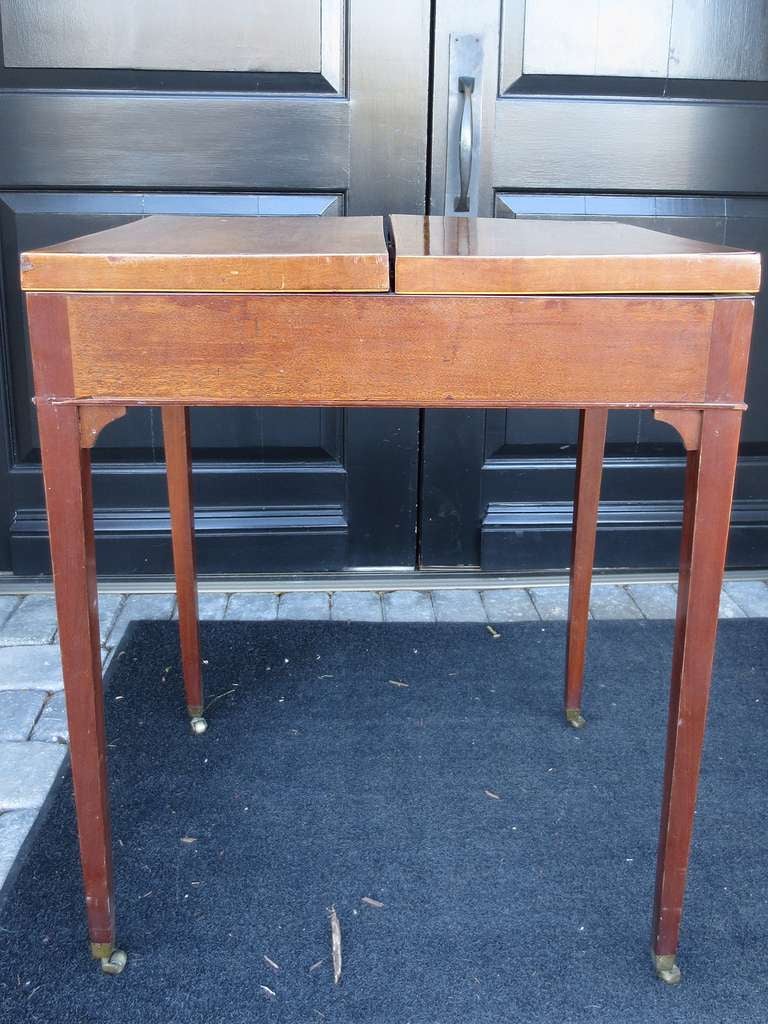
[(198, 724), (574, 718), (667, 970), (115, 962)]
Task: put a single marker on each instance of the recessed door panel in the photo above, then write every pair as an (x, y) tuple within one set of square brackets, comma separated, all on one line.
[(231, 35)]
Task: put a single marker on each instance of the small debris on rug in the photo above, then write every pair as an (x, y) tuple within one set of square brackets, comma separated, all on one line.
[(371, 902), (397, 682), (493, 632), (271, 963), (268, 992), (218, 697), (491, 794), (335, 944)]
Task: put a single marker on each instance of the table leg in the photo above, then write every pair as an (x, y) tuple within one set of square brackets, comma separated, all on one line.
[(706, 517), (589, 469), (179, 467), (67, 476)]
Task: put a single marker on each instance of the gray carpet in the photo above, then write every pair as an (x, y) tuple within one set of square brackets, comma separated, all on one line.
[(512, 856)]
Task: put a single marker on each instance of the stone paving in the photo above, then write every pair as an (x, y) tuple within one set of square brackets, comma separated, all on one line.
[(33, 725)]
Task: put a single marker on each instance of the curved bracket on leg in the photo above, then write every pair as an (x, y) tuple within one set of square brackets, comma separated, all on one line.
[(93, 419), (687, 422)]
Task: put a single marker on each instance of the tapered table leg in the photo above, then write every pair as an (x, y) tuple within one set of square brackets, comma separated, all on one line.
[(589, 470), (706, 516), (179, 466), (67, 475)]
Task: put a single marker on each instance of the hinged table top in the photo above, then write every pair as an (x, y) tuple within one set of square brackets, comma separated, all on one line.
[(469, 256), (218, 254), (432, 256)]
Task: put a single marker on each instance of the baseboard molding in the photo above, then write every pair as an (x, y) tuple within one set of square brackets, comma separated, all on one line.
[(631, 536), (293, 538)]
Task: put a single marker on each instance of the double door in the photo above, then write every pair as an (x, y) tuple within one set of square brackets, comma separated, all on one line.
[(651, 113)]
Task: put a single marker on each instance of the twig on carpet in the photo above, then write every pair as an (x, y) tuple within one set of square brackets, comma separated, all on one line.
[(335, 945)]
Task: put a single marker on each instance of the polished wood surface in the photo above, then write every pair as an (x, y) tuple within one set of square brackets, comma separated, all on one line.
[(68, 495), (684, 357), (178, 461), (390, 350), (589, 471), (711, 469), (218, 254), (93, 419), (488, 256)]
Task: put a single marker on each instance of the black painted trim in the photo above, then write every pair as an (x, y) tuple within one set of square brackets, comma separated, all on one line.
[(649, 88), (533, 537), (311, 539), (147, 80)]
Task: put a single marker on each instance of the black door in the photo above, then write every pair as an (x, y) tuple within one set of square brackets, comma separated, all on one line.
[(111, 111), (652, 113)]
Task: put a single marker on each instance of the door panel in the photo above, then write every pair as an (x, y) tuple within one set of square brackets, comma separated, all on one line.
[(572, 118), (660, 43), (232, 35), (318, 108)]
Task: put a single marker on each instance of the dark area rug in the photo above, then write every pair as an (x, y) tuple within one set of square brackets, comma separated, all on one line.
[(426, 768)]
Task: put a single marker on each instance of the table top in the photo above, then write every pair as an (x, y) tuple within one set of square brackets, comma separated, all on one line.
[(218, 254), (468, 256), (433, 256)]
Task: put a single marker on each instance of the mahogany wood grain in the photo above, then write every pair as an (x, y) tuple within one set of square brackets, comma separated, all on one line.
[(93, 419), (48, 319), (179, 468), (686, 357), (67, 477), (218, 254), (390, 350), (488, 256), (687, 422), (589, 471), (729, 349), (708, 493)]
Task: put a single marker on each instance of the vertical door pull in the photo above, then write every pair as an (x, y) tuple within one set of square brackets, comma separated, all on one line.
[(466, 88)]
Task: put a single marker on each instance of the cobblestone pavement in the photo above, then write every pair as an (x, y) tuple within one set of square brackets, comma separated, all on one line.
[(33, 725)]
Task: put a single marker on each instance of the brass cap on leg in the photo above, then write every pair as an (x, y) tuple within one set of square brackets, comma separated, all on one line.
[(113, 960), (197, 723), (666, 968), (574, 718)]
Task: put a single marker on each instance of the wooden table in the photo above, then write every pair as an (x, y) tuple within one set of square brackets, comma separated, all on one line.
[(186, 311)]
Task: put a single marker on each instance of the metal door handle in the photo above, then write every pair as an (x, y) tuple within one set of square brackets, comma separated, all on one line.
[(466, 88)]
